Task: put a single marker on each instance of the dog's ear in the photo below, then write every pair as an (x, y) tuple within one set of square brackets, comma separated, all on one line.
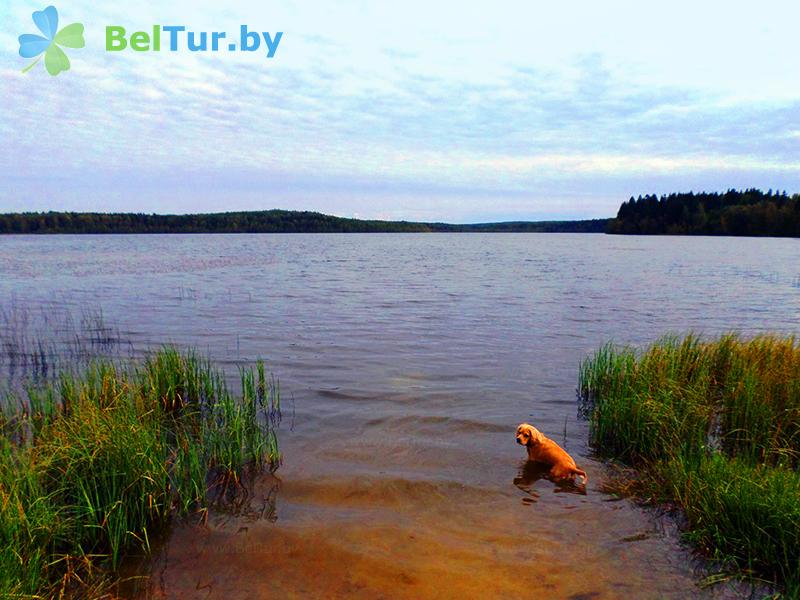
[(537, 437)]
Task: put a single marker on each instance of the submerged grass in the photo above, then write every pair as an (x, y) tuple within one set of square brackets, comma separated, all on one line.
[(713, 426), (35, 345), (93, 465)]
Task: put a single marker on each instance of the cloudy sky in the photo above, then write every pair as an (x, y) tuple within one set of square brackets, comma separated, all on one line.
[(423, 110)]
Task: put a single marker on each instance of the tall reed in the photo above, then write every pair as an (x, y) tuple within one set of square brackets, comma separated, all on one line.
[(93, 465), (715, 427)]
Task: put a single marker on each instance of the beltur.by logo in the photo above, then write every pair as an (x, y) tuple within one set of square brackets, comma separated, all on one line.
[(179, 38), (175, 38), (50, 42)]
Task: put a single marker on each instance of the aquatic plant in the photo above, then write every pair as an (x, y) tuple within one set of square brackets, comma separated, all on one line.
[(36, 345), (94, 465), (713, 426)]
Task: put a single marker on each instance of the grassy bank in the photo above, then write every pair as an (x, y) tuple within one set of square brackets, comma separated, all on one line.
[(713, 426), (93, 465)]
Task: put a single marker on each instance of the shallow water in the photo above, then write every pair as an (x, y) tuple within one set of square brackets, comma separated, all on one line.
[(406, 362)]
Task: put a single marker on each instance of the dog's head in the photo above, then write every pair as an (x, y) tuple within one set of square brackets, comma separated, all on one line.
[(528, 435)]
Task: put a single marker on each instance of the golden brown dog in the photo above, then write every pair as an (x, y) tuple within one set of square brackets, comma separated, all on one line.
[(544, 450)]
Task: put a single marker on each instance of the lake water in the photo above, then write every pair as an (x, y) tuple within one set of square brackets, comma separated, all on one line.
[(406, 362)]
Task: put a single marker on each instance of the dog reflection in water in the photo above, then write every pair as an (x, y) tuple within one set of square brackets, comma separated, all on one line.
[(530, 472)]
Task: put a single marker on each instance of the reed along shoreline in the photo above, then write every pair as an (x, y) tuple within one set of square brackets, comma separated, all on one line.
[(714, 428), (95, 464)]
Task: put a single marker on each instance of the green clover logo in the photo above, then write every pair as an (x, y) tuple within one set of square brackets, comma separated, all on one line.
[(55, 60)]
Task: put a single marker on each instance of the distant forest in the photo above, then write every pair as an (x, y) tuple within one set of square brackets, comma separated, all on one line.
[(749, 212), (268, 221), (738, 213)]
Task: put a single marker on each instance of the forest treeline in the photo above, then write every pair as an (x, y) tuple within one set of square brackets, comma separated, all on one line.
[(738, 213), (268, 221), (750, 212)]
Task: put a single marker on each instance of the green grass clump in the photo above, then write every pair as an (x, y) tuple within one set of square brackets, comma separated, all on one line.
[(93, 465), (713, 426)]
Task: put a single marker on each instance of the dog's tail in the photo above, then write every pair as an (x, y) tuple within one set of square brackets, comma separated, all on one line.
[(582, 473)]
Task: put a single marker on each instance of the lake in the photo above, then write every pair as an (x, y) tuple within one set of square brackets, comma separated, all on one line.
[(406, 362)]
